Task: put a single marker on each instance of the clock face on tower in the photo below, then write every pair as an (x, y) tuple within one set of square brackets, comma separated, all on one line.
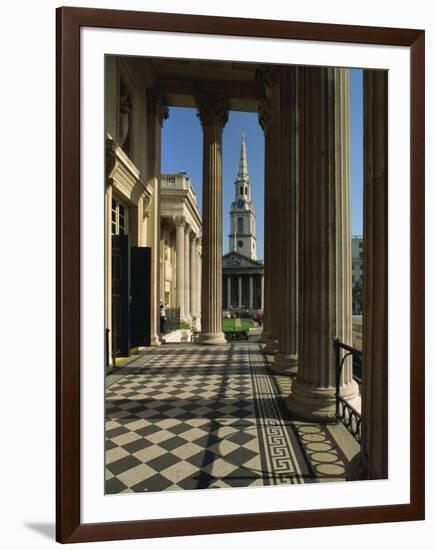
[(240, 203)]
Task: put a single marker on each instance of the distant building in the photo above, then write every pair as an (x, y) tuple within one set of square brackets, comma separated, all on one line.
[(242, 272), (357, 266), (180, 246)]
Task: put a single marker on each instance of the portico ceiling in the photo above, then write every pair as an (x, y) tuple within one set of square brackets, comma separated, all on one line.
[(181, 79)]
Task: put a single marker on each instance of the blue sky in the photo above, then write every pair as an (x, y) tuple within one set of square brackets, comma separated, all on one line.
[(182, 145)]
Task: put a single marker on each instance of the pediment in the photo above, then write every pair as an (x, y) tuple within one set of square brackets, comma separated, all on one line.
[(233, 259)]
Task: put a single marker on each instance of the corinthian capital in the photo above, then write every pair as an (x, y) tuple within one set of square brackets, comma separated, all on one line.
[(157, 104), (269, 76), (179, 221), (213, 109)]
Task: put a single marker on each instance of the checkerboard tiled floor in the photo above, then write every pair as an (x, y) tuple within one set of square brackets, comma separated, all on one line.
[(195, 417)]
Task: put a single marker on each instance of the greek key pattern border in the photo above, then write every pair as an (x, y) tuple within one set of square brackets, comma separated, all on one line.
[(274, 435)]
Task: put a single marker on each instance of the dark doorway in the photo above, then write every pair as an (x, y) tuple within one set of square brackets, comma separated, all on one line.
[(140, 290), (120, 295)]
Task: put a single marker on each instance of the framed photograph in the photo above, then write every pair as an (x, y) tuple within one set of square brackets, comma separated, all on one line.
[(240, 275)]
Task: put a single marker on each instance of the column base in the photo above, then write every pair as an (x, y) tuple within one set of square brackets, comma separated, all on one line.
[(263, 337), (196, 323), (155, 340), (211, 338), (319, 404), (285, 364), (271, 345)]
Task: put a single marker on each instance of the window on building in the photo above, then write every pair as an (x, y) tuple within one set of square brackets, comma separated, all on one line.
[(119, 218), (240, 225), (241, 191)]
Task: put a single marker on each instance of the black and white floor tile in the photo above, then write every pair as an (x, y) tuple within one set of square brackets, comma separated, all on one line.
[(194, 417)]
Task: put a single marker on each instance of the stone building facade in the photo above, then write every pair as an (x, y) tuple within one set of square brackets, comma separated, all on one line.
[(357, 266), (180, 247), (134, 114), (357, 258), (243, 284)]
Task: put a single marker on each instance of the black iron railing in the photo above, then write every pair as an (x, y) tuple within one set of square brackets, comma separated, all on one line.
[(345, 412), (172, 319)]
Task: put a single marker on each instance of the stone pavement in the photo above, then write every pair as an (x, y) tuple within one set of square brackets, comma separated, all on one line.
[(197, 417)]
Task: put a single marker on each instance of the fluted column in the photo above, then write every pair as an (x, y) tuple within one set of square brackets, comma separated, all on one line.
[(180, 265), (157, 112), (239, 292), (198, 275), (286, 357), (229, 291), (213, 114), (250, 290), (262, 292), (325, 243), (192, 276), (374, 449), (187, 283), (269, 118)]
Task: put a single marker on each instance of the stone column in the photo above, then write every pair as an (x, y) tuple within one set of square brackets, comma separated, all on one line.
[(269, 118), (192, 276), (239, 292), (213, 114), (262, 290), (180, 265), (108, 272), (187, 277), (325, 243), (198, 275), (157, 112), (229, 291), (287, 167), (374, 449), (250, 303)]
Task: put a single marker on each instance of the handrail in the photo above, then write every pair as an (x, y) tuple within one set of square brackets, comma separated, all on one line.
[(345, 412)]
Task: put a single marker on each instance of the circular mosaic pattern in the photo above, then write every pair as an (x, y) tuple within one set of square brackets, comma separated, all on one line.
[(321, 451), (325, 457), (331, 469), (313, 437), (318, 446), (309, 430)]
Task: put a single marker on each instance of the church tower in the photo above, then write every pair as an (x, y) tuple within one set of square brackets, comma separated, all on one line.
[(242, 238)]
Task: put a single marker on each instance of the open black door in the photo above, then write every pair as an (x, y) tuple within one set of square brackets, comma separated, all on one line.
[(140, 271), (120, 296)]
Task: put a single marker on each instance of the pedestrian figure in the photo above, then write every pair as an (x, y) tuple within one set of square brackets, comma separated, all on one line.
[(162, 318)]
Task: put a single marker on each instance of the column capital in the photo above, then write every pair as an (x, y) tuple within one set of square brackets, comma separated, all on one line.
[(213, 109), (192, 236), (269, 76), (187, 227), (180, 221), (157, 104)]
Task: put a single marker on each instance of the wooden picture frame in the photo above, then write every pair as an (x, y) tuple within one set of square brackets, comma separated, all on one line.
[(68, 523)]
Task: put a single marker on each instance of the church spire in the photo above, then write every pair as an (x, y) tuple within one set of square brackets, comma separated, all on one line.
[(243, 167), (242, 238)]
